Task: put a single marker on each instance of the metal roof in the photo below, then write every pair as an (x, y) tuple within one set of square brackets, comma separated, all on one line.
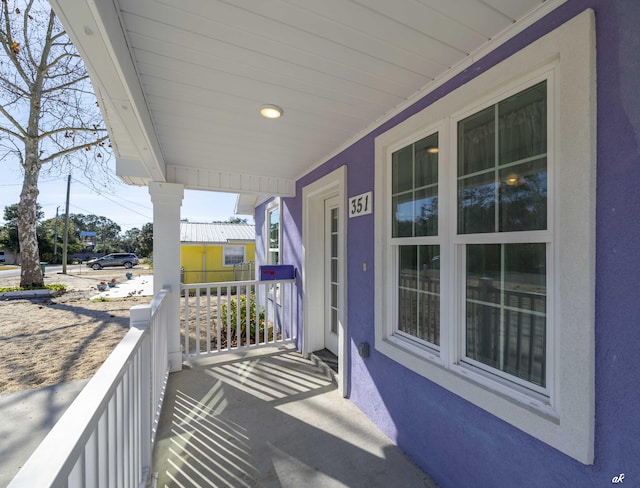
[(216, 233)]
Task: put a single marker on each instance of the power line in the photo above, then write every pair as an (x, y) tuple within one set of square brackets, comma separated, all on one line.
[(80, 208), (125, 207), (112, 194), (112, 201), (117, 202)]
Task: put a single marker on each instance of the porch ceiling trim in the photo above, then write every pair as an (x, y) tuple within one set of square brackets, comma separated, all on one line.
[(230, 182)]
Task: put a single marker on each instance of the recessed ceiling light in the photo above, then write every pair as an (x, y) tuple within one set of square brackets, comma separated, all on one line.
[(270, 111), (432, 149)]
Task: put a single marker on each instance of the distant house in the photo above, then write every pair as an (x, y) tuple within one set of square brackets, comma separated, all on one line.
[(89, 239), (216, 252)]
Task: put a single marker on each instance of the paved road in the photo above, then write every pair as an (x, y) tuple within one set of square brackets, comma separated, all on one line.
[(50, 269)]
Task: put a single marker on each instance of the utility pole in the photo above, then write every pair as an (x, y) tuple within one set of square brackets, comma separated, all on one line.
[(65, 239), (55, 240)]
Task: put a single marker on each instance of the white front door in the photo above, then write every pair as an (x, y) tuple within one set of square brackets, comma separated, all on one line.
[(324, 234), (331, 277)]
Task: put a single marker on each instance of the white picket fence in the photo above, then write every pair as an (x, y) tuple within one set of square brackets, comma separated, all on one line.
[(106, 436), (224, 317)]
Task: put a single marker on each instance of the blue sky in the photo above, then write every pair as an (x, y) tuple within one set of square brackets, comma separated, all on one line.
[(128, 206)]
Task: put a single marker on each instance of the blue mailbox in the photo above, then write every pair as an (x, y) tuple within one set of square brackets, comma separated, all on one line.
[(277, 272)]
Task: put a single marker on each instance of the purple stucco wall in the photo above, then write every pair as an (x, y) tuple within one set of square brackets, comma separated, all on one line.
[(459, 444)]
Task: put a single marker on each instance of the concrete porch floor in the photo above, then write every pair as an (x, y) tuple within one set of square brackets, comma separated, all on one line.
[(269, 418)]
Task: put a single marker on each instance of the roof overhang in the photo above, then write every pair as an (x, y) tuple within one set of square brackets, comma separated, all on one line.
[(180, 84)]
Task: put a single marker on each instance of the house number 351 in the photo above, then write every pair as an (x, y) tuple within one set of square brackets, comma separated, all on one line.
[(360, 204)]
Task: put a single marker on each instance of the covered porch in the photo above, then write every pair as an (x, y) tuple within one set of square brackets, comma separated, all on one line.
[(254, 413), (181, 87), (270, 418)]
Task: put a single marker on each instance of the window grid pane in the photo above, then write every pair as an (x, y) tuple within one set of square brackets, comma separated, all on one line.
[(502, 175), (414, 187), (419, 292), (506, 308)]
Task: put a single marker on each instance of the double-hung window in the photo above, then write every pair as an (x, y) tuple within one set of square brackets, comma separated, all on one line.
[(500, 240), (414, 228), (485, 227), (502, 237)]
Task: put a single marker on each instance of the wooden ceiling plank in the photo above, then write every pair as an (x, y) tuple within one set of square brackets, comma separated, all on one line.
[(514, 8)]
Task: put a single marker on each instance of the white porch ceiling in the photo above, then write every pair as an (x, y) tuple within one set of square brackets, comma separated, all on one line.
[(181, 83)]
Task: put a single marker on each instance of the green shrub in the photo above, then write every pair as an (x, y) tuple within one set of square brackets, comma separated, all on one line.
[(59, 287), (256, 321)]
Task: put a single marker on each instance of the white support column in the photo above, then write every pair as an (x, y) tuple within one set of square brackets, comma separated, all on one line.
[(167, 199)]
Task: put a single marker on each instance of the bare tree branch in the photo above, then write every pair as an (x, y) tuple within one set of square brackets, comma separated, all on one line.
[(65, 85), (25, 33), (58, 59), (11, 133), (15, 123), (16, 88), (8, 43), (72, 150), (72, 129)]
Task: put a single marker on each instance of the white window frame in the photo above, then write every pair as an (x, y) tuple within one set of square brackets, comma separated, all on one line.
[(465, 365), (224, 254), (275, 204), (562, 414)]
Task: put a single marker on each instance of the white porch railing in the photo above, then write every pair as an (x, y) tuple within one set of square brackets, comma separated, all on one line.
[(223, 317), (106, 436)]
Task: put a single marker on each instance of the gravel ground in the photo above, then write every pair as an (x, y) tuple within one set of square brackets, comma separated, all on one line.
[(44, 342)]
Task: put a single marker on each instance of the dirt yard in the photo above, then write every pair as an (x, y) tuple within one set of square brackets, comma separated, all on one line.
[(50, 341)]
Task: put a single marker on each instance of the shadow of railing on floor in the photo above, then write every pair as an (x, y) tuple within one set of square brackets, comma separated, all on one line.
[(270, 420)]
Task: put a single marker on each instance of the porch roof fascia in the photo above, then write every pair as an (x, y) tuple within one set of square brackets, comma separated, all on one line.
[(124, 110)]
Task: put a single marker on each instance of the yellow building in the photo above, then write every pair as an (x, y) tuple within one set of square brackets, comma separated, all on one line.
[(217, 252)]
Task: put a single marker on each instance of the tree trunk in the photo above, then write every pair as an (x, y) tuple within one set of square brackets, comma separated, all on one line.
[(31, 275)]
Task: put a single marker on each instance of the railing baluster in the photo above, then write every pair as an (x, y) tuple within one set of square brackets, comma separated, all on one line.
[(76, 476), (135, 417), (274, 300), (228, 318), (271, 297), (250, 300), (186, 320), (91, 461), (197, 320), (112, 449), (208, 319), (218, 322), (291, 313), (126, 427), (119, 435), (102, 439)]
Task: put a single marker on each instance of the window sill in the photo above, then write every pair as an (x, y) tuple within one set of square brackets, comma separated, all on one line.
[(429, 364)]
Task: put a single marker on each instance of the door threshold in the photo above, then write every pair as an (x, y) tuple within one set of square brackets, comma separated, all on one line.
[(328, 362)]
